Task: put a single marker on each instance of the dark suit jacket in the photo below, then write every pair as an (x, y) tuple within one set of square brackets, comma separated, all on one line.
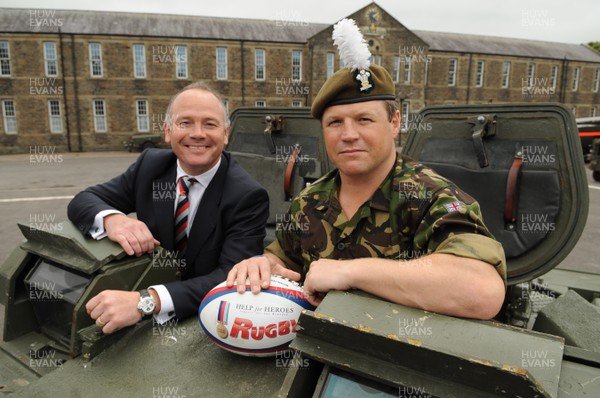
[(228, 227)]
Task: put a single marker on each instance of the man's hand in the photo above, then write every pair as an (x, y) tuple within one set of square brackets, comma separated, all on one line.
[(133, 235), (114, 309), (258, 270), (325, 275)]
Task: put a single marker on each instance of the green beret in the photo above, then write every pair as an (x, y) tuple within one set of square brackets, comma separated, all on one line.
[(348, 87)]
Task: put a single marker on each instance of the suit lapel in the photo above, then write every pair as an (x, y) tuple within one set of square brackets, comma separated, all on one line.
[(205, 219), (164, 205)]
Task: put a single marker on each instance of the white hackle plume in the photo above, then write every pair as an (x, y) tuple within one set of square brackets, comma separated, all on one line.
[(351, 45)]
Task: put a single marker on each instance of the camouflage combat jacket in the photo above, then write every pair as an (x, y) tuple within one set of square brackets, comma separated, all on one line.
[(414, 212)]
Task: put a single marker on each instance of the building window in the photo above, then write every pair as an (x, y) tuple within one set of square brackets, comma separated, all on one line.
[(139, 61), (181, 64), (407, 70), (596, 84), (4, 59), (505, 74), (297, 65), (452, 72), (96, 59), (50, 59), (143, 122), (405, 110), (594, 112), (575, 85), (479, 74), (375, 59), (99, 116), (530, 74), (55, 116), (330, 64), (259, 64), (396, 72), (554, 76), (296, 104), (9, 116), (221, 63), (260, 103)]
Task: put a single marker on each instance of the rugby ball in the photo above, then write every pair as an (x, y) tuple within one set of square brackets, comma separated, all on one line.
[(253, 324)]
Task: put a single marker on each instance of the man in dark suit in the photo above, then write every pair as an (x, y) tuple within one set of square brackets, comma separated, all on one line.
[(194, 199)]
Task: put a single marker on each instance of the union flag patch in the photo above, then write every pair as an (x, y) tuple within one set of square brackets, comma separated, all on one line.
[(454, 206)]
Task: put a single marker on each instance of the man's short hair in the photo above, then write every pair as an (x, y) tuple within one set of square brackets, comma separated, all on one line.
[(204, 87), (391, 106)]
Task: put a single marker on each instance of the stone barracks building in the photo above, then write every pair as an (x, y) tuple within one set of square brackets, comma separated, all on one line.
[(85, 81)]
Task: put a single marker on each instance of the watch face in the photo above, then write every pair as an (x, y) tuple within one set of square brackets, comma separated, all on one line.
[(146, 305)]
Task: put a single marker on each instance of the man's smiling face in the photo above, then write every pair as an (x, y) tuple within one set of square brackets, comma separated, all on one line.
[(196, 130)]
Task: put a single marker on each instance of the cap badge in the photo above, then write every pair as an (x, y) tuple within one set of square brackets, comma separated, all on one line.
[(363, 76)]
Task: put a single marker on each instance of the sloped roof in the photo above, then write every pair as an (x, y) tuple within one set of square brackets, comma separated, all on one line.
[(20, 20), (456, 42), (138, 24)]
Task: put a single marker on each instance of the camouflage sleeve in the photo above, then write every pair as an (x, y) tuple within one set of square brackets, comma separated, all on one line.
[(449, 212), (478, 247), (453, 224)]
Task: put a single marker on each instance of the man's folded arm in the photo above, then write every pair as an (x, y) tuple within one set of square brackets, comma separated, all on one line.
[(115, 194)]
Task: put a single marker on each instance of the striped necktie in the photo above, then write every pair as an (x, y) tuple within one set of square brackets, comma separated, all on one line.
[(182, 212)]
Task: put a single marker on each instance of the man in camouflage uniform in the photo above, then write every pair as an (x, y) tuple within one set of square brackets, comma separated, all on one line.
[(380, 222)]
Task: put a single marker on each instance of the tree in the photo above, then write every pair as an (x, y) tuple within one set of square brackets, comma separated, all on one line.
[(595, 45)]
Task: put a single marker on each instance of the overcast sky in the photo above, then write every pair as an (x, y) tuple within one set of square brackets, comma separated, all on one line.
[(574, 21)]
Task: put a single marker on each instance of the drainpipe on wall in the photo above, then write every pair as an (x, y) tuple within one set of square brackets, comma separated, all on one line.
[(243, 77), (469, 78), (64, 86), (563, 81), (75, 88)]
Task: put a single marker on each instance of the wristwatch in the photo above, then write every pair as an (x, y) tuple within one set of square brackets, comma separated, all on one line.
[(146, 304)]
